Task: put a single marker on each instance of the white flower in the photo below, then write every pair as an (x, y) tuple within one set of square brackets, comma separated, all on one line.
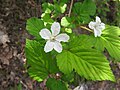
[(54, 38), (97, 26)]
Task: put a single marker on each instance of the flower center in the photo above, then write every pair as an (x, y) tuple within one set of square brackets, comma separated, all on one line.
[(52, 38)]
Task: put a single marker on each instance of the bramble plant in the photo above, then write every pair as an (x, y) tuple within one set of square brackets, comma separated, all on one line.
[(57, 54)]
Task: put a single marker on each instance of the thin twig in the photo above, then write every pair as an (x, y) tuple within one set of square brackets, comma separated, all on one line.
[(85, 28), (70, 8), (23, 84)]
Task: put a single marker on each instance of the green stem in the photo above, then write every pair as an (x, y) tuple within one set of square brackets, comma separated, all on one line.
[(85, 28)]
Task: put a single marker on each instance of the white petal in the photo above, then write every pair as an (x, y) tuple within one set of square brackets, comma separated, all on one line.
[(45, 33), (55, 28), (92, 25), (49, 46), (62, 37), (97, 33), (102, 26), (98, 19), (58, 46)]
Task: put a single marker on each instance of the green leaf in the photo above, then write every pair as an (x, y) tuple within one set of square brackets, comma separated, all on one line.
[(54, 84), (60, 8), (88, 7), (91, 41), (46, 18), (110, 39), (52, 66), (64, 63), (63, 8), (68, 30), (34, 25), (65, 21), (64, 1), (84, 18), (47, 7), (88, 63), (81, 40), (68, 77), (37, 59), (83, 11), (76, 8)]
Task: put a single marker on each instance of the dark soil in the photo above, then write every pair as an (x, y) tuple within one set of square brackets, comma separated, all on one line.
[(13, 73)]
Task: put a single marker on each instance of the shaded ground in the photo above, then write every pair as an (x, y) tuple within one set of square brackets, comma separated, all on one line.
[(13, 74)]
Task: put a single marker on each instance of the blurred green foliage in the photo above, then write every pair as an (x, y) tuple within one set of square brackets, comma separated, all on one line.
[(109, 11)]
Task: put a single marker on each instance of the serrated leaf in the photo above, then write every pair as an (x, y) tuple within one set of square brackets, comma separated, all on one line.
[(34, 25), (88, 63), (91, 41), (81, 40), (64, 63), (109, 39), (54, 84), (37, 59), (111, 36)]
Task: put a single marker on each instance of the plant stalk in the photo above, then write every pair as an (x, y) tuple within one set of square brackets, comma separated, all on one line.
[(85, 28), (70, 8)]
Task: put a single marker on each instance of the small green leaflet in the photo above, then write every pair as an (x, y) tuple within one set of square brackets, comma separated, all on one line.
[(40, 65), (46, 18), (63, 8), (47, 7), (68, 30), (65, 21), (60, 8), (54, 84), (34, 25), (87, 62)]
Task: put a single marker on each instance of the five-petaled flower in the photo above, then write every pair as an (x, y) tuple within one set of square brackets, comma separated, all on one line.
[(97, 26), (54, 38)]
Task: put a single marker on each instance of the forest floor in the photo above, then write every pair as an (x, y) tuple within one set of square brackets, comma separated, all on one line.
[(13, 74)]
